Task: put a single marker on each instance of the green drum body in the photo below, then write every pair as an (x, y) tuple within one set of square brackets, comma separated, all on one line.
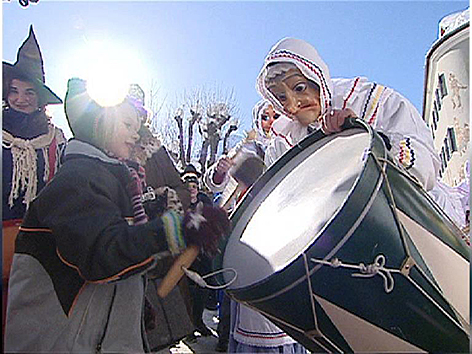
[(347, 253)]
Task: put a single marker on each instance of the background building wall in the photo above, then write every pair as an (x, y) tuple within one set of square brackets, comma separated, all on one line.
[(446, 99)]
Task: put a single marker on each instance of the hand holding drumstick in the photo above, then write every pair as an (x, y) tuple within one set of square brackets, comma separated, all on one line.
[(202, 230), (223, 166)]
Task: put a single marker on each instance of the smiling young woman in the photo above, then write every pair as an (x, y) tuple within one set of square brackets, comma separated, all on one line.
[(22, 96), (31, 144)]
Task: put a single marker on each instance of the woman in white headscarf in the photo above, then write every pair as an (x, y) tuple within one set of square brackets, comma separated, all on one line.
[(218, 176), (336, 99), (264, 116), (297, 82)]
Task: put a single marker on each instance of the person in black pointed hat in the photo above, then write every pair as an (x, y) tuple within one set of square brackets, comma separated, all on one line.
[(28, 68), (25, 97), (31, 143)]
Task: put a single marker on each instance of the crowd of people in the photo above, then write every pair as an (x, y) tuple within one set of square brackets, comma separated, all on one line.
[(92, 225)]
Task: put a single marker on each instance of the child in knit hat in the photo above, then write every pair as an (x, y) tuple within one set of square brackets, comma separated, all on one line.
[(78, 275)]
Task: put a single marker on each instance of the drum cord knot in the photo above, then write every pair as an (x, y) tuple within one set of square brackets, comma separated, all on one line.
[(366, 271), (200, 279)]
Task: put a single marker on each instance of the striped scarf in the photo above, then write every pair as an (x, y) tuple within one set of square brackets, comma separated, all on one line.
[(171, 219), (135, 188)]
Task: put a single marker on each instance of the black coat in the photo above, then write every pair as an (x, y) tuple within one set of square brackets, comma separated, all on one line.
[(83, 220)]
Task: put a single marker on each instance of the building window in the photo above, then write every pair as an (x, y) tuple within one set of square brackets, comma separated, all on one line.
[(432, 132), (436, 110), (435, 119), (438, 99), (446, 149), (442, 85), (451, 137), (443, 159)]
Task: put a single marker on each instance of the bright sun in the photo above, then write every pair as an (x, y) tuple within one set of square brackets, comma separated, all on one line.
[(108, 70)]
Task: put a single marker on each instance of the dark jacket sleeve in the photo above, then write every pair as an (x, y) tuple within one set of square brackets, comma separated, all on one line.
[(84, 211)]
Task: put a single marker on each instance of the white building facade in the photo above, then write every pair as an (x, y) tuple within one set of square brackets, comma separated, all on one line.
[(446, 97)]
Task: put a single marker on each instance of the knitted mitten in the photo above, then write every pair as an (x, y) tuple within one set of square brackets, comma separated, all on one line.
[(205, 226), (174, 232)]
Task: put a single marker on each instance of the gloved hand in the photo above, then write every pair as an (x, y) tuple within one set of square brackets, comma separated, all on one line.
[(156, 206), (205, 226)]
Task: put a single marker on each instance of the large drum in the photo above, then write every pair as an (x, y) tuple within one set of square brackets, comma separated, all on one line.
[(347, 253)]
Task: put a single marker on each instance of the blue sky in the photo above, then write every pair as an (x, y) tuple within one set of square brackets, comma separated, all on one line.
[(186, 45)]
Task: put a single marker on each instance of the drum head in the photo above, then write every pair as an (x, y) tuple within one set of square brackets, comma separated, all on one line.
[(290, 211)]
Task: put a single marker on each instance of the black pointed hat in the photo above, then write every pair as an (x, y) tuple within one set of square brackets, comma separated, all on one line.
[(29, 66), (190, 174)]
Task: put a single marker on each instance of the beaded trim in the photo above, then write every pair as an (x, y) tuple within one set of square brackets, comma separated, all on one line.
[(406, 155), (375, 103), (369, 96)]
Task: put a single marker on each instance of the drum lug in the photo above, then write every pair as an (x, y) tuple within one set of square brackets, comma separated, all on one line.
[(407, 265), (314, 333), (323, 341)]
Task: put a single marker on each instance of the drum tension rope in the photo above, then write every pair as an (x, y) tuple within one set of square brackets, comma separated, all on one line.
[(200, 280)]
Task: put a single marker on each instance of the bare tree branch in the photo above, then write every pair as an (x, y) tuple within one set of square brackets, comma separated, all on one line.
[(213, 111)]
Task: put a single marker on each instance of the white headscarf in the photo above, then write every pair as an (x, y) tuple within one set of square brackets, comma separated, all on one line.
[(305, 57), (307, 60), (257, 112)]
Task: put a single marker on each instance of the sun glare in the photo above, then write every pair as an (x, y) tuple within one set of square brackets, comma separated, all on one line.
[(108, 70)]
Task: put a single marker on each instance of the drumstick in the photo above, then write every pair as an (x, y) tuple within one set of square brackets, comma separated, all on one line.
[(175, 273), (246, 169)]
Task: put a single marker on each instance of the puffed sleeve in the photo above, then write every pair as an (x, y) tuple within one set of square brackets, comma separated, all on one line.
[(411, 140), (284, 133), (277, 147), (395, 116), (210, 182)]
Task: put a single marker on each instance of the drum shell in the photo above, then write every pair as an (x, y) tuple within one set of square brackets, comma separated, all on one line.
[(285, 297)]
